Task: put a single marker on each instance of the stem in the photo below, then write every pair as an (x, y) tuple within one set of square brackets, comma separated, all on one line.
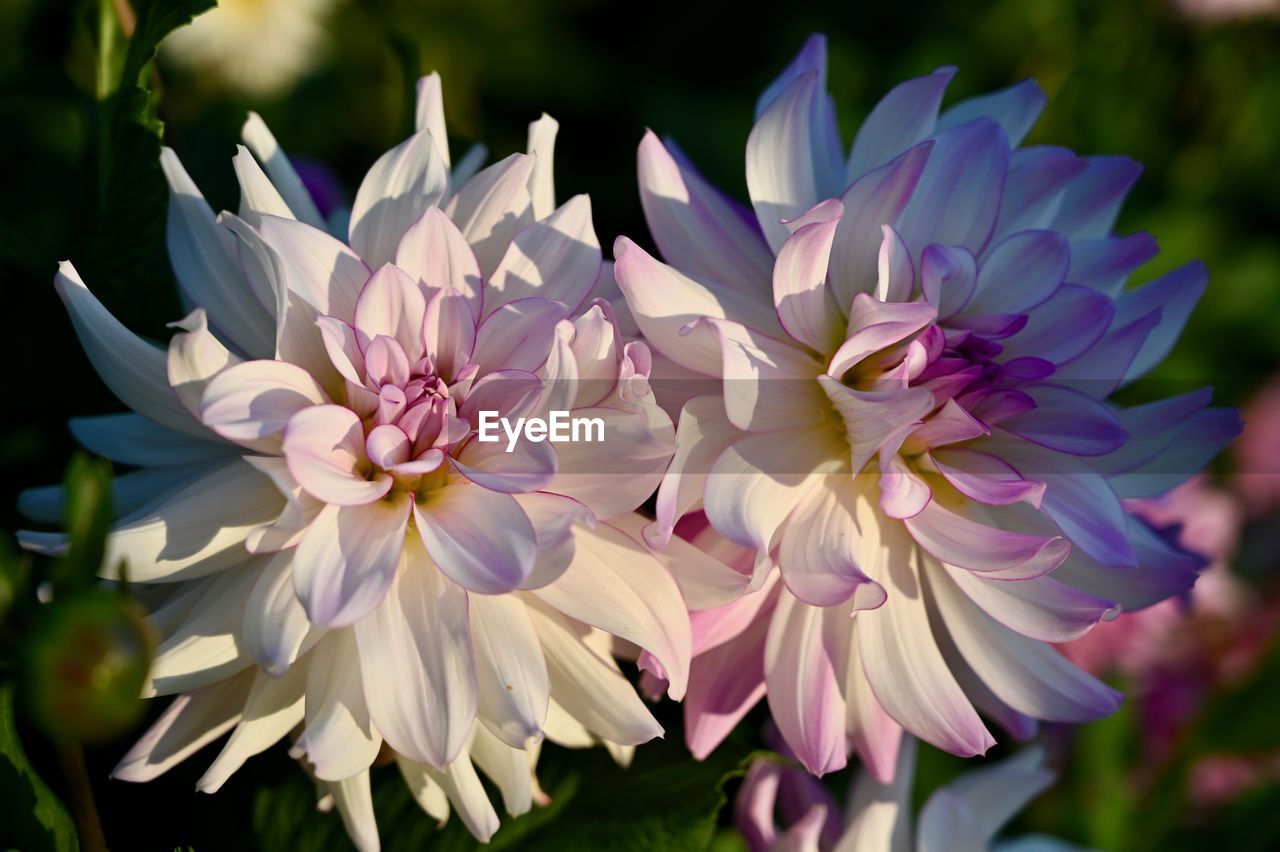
[(80, 796)]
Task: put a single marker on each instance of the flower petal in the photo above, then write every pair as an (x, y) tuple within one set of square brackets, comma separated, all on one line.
[(273, 707), (615, 584), (557, 258), (134, 370), (1030, 676), (806, 306), (511, 674), (1015, 108), (204, 261), (697, 228), (324, 446), (958, 197), (588, 686), (252, 403), (966, 543), (907, 672), (901, 119), (665, 302), (418, 643), (481, 539), (436, 253), (788, 170), (874, 200), (339, 738), (490, 208), (804, 694), (346, 561), (275, 625), (284, 177), (395, 192), (768, 383)]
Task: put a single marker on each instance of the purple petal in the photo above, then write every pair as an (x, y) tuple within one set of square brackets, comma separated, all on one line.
[(904, 117)]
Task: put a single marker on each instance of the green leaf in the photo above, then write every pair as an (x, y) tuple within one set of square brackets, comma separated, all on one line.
[(666, 801), (87, 518), (31, 817), (13, 577), (128, 240)]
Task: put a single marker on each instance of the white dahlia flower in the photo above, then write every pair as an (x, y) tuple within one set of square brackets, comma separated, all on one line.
[(259, 47), (332, 553)]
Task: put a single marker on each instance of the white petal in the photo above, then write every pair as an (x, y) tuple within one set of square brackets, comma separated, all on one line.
[(463, 787), (134, 370), (321, 270), (339, 738), (481, 539), (191, 722), (614, 476), (786, 172), (196, 531), (492, 207), (429, 113), (275, 625), (258, 196), (588, 686), (416, 658), (204, 261), (511, 674), (1028, 675), (398, 189), (542, 147), (703, 434), (355, 805), (285, 178), (697, 228), (556, 258), (195, 357), (665, 303), (879, 814), (902, 661), (324, 446), (616, 585), (251, 403), (756, 483), (434, 252), (346, 561), (134, 440), (804, 693), (273, 707), (205, 647), (509, 768)]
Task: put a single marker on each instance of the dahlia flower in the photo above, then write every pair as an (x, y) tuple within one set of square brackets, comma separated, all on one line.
[(965, 814), (905, 363), (330, 551), (1257, 453), (259, 47)]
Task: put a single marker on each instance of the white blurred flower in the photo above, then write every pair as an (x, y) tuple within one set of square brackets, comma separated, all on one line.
[(257, 46)]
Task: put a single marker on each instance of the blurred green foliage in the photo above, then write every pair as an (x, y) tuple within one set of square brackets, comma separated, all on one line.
[(84, 112), (664, 801)]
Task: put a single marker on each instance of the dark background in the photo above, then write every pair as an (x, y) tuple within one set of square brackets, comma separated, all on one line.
[(1197, 101)]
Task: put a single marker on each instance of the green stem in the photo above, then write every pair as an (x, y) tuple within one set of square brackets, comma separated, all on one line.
[(80, 797)]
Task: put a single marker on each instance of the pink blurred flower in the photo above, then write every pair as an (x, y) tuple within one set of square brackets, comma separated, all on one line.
[(966, 814), (1217, 11), (1204, 520), (1257, 453), (906, 358), (328, 548)]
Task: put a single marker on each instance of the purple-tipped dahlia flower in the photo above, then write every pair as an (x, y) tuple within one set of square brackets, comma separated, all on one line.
[(907, 360), (780, 808), (331, 552)]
